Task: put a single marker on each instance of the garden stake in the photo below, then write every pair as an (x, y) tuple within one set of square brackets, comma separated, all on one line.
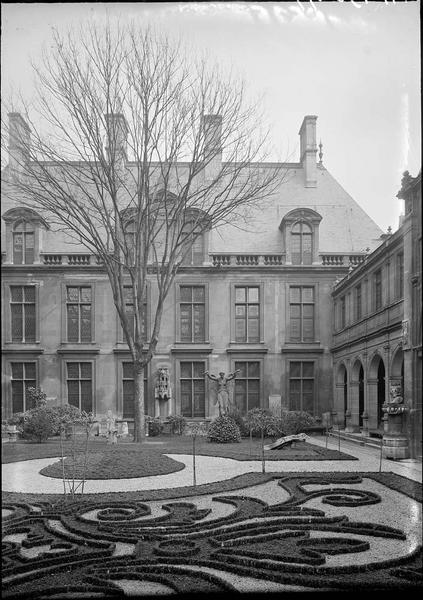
[(193, 460), (63, 461), (327, 435), (339, 439), (380, 458), (263, 466), (251, 439)]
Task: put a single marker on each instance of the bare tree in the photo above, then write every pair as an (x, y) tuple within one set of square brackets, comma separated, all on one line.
[(122, 148)]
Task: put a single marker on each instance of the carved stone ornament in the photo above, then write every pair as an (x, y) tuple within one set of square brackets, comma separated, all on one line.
[(162, 390)]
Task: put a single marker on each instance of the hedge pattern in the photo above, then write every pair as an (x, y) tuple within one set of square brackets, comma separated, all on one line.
[(269, 543)]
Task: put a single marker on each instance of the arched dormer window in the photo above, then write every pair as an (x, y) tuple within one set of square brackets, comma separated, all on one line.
[(195, 237), (23, 239), (300, 229)]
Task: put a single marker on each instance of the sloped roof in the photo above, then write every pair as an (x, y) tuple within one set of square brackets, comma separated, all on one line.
[(345, 226)]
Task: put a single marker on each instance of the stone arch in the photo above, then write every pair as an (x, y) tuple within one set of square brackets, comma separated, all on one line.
[(377, 393), (341, 393), (357, 392)]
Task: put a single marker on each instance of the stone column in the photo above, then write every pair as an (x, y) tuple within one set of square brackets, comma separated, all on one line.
[(354, 420), (339, 405), (371, 407)]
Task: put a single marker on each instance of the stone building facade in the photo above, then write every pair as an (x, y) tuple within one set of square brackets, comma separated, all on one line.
[(254, 297), (377, 331)]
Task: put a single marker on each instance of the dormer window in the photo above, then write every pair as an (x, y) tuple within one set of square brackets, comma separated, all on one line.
[(194, 233), (301, 243), (23, 236), (300, 230)]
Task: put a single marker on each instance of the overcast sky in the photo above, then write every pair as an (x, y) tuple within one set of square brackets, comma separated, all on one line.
[(355, 66)]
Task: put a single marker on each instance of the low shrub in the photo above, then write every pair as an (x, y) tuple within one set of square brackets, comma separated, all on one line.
[(224, 430), (177, 424), (295, 421), (261, 418), (155, 426), (40, 424), (236, 416)]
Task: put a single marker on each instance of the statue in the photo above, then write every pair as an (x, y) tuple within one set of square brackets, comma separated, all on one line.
[(395, 393), (223, 397), (162, 389)]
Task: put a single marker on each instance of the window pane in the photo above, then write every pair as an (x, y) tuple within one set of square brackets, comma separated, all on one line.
[(308, 330), (16, 293), (128, 294), (86, 370), (186, 293), (295, 294), (308, 310), (198, 370), (198, 294), (240, 330), (86, 323), (17, 248), (295, 311), (305, 228), (296, 228), (186, 369), (295, 369), (295, 395), (308, 294), (17, 329), (29, 370), (242, 367), (128, 400), (240, 294), (29, 403), (253, 369), (128, 370), (241, 395), (199, 329), (17, 396), (73, 370), (73, 393), (30, 322), (186, 331), (86, 396), (253, 399), (17, 370), (308, 369), (29, 248), (73, 323), (295, 331), (240, 310), (253, 310), (253, 330), (253, 294), (186, 398), (73, 294), (85, 294), (199, 399)]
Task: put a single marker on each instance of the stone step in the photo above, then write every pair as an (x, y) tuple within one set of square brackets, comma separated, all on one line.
[(357, 438)]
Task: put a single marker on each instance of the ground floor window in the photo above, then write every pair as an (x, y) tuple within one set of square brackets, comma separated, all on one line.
[(301, 385), (23, 377), (247, 385), (193, 391), (79, 381), (128, 391)]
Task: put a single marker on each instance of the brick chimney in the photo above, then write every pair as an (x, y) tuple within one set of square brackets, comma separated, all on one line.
[(19, 141), (308, 150), (212, 125), (116, 135)]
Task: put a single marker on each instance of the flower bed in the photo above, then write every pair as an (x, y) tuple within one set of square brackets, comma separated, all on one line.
[(288, 543)]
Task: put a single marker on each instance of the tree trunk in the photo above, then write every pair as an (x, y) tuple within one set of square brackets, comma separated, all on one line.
[(139, 416)]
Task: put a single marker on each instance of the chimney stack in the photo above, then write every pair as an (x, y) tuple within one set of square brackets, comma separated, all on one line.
[(19, 142), (116, 135), (212, 125), (308, 150)]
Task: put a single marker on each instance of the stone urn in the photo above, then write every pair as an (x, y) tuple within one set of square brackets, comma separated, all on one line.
[(395, 443)]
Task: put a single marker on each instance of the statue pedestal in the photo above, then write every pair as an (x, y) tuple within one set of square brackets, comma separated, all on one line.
[(395, 443)]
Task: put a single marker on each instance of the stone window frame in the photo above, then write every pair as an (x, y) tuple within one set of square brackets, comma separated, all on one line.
[(247, 284), (19, 358), (126, 358), (120, 335), (310, 218), (301, 359), (192, 358), (12, 218), (7, 312), (191, 283), (78, 358), (314, 304), (64, 320), (247, 358)]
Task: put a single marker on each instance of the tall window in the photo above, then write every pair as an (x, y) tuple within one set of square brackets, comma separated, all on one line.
[(378, 289), (22, 308), (192, 313), (195, 243), (128, 391), (301, 244), (247, 314), (343, 312), (23, 377), (358, 304), (78, 307), (80, 385), (301, 301), (23, 243), (192, 383), (129, 233), (129, 309), (400, 275), (247, 386), (301, 384)]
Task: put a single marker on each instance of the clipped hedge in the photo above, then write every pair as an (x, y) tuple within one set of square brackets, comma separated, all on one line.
[(224, 430)]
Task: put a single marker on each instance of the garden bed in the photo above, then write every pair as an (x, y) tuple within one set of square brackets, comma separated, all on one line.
[(292, 541)]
